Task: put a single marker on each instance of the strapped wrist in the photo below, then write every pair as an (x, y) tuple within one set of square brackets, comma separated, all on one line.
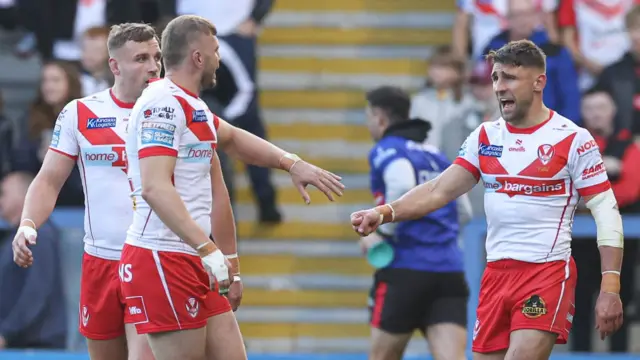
[(386, 213), (287, 161), (206, 248), (610, 282)]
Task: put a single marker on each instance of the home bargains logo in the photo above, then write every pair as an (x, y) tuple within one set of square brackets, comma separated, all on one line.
[(513, 186)]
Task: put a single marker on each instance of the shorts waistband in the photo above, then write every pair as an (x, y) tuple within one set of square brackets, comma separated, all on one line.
[(99, 252), (517, 264)]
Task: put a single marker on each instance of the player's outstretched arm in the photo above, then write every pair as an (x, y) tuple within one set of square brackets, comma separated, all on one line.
[(253, 150), (418, 202)]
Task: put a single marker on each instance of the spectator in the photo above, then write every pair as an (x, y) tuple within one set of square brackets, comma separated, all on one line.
[(482, 20), (236, 96), (95, 61), (443, 100), (561, 92), (622, 78), (594, 32), (58, 25), (60, 84), (32, 308), (620, 158), (8, 138), (483, 106)]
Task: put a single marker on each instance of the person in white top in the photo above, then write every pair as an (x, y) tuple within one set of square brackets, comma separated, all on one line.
[(90, 132), (171, 141), (535, 166)]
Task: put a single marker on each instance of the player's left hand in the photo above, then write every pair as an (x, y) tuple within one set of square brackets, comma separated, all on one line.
[(303, 174), (235, 294), (608, 314)]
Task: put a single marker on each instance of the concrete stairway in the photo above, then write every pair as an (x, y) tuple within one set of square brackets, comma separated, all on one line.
[(306, 282)]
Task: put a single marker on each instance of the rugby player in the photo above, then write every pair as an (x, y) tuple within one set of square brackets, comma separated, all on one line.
[(535, 165), (172, 140), (424, 286), (90, 132)]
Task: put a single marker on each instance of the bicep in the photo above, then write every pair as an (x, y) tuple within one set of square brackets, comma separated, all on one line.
[(454, 182), (157, 169), (56, 169), (224, 132)]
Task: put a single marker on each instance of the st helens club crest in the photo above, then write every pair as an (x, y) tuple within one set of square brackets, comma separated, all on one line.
[(545, 153)]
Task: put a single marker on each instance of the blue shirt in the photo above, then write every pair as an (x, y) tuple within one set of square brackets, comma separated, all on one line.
[(399, 161)]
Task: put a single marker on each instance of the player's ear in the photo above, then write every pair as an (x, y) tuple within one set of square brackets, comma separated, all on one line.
[(198, 58), (113, 66), (540, 82)]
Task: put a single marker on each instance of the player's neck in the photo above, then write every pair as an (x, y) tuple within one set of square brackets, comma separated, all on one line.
[(184, 80), (536, 116), (119, 91)]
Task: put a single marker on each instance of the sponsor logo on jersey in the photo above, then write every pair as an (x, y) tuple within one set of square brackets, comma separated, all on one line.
[(545, 153), (55, 136), (198, 153), (164, 112), (534, 307), (157, 133), (490, 150), (112, 156), (463, 148), (199, 116), (513, 186), (101, 123), (587, 147), (593, 171), (517, 149)]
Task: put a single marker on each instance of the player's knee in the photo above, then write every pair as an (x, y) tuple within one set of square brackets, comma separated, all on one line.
[(530, 345), (387, 346)]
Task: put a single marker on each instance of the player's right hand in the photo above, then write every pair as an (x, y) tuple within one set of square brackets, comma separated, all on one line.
[(25, 237), (365, 222), (217, 266)]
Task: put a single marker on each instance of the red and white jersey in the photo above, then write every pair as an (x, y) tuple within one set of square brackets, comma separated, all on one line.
[(533, 179), (92, 130), (170, 121)]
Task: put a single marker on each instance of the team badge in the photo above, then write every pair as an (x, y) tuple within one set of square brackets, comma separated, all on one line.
[(192, 307), (545, 153), (534, 307)]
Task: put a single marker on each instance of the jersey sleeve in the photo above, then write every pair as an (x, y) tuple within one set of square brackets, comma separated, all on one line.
[(566, 14), (161, 123), (588, 173), (468, 154), (64, 139)]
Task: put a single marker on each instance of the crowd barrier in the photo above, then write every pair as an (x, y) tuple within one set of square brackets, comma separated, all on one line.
[(473, 242)]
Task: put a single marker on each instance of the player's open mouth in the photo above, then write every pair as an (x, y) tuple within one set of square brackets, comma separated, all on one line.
[(507, 104)]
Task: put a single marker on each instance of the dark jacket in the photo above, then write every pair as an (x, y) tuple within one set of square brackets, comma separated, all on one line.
[(561, 93), (32, 306), (618, 79)]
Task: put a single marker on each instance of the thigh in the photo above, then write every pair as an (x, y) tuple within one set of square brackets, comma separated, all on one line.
[(166, 291), (101, 310), (224, 340), (387, 346), (493, 322), (447, 341), (138, 345), (396, 306), (544, 299), (529, 344), (184, 344), (112, 349)]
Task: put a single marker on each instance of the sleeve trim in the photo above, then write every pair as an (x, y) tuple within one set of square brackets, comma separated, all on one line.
[(156, 151), (70, 156), (594, 189), (468, 166)]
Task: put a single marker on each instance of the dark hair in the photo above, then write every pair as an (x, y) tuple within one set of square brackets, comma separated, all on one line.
[(444, 56), (394, 101), (519, 53), (122, 33), (42, 115), (179, 34)]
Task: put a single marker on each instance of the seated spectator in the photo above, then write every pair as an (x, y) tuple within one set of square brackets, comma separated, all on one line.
[(32, 312), (482, 20), (443, 100), (622, 78), (620, 158), (94, 59), (60, 84), (594, 32), (561, 92), (8, 135)]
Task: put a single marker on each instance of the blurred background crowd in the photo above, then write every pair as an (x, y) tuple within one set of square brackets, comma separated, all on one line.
[(295, 72)]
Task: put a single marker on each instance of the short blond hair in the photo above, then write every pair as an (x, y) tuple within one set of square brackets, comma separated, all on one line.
[(179, 34), (122, 33)]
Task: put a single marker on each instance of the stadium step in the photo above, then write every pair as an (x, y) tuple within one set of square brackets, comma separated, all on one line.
[(306, 283)]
